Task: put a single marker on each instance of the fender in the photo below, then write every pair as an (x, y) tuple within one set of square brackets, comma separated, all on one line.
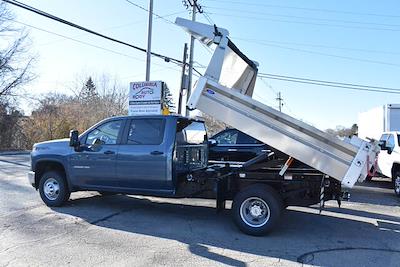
[(56, 159)]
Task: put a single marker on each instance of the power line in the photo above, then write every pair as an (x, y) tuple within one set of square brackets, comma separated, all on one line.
[(308, 9), (328, 55), (260, 41), (145, 9), (331, 84), (268, 85), (71, 24), (303, 18), (121, 26), (79, 41), (47, 15), (88, 44), (208, 18), (302, 22)]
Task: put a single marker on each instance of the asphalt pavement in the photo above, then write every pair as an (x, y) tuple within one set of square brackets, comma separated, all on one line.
[(145, 231)]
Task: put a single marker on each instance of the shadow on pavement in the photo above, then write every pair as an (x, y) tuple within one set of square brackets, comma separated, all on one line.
[(200, 228)]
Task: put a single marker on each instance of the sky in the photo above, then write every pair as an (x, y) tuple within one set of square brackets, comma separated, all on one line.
[(353, 41)]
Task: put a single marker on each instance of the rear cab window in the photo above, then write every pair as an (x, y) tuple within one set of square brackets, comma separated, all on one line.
[(146, 132)]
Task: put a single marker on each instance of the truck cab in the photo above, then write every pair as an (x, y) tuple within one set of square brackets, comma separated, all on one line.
[(141, 154), (389, 158)]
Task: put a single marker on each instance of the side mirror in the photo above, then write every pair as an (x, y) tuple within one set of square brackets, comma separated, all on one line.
[(389, 150), (74, 138), (212, 142)]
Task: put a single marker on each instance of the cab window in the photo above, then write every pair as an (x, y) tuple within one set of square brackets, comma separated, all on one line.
[(228, 137), (107, 133), (191, 132), (390, 141), (146, 132)]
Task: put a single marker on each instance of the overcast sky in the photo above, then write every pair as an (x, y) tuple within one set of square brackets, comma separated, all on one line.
[(353, 41)]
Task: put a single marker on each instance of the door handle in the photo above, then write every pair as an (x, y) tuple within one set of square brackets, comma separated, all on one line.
[(156, 153), (109, 152), (232, 149)]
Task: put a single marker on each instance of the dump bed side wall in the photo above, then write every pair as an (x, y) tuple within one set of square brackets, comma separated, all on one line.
[(293, 137)]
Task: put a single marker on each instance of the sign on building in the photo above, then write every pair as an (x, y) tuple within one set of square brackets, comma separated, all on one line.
[(145, 98)]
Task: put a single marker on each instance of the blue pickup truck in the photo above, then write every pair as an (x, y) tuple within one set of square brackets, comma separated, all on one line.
[(167, 156)]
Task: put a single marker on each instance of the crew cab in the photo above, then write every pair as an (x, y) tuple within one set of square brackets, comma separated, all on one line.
[(120, 154), (389, 158)]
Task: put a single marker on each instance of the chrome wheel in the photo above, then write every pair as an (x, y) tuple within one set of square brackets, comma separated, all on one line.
[(397, 185), (255, 212), (51, 189)]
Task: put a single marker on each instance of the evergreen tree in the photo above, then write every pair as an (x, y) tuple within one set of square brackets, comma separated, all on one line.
[(88, 91), (168, 100)]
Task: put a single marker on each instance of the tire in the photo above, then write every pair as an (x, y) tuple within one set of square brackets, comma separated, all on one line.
[(257, 209), (396, 183), (53, 189)]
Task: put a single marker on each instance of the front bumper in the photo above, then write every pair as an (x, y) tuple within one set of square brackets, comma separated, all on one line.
[(31, 178)]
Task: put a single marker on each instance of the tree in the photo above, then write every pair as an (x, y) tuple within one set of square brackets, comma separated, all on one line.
[(15, 71), (11, 134), (342, 131), (213, 126), (88, 91), (167, 99), (57, 114), (15, 64)]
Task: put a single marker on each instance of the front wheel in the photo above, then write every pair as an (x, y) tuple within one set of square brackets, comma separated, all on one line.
[(257, 209), (53, 189), (396, 184)]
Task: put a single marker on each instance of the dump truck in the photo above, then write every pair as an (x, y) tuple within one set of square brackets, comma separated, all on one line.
[(166, 156)]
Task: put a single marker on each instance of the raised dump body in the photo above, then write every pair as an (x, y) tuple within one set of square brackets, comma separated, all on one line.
[(224, 92)]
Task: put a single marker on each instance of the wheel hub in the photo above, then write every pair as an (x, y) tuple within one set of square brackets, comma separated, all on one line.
[(256, 210), (51, 189)]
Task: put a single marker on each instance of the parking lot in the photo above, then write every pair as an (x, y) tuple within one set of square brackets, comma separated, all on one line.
[(141, 231)]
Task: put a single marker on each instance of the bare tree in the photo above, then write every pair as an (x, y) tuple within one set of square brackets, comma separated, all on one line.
[(341, 131), (15, 70), (213, 126), (15, 64)]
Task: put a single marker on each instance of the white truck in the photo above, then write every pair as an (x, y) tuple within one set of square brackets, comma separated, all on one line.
[(383, 123), (374, 122), (389, 158)]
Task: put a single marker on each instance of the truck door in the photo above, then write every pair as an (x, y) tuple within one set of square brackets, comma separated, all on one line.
[(95, 167), (142, 159), (385, 161)]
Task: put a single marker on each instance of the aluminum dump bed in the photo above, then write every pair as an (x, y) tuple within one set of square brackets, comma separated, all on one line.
[(224, 92)]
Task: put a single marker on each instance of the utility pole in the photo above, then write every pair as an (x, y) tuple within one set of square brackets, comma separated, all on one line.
[(149, 30), (183, 79), (195, 8), (280, 99)]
